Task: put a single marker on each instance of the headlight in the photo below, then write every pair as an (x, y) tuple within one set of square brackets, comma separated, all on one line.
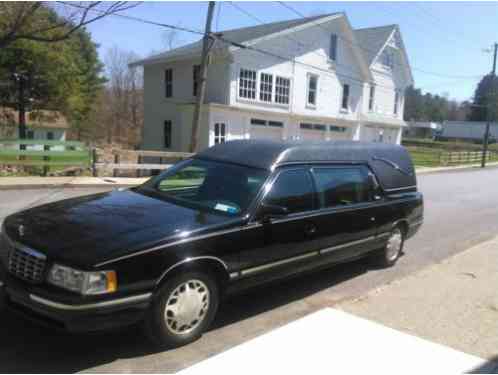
[(83, 282)]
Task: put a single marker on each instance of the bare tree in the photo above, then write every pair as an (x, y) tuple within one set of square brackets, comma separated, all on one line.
[(22, 21), (170, 39), (124, 97)]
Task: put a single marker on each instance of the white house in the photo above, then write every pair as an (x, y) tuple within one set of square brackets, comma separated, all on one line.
[(40, 125), (309, 78)]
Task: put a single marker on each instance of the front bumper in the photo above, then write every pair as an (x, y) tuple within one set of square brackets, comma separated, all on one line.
[(20, 299)]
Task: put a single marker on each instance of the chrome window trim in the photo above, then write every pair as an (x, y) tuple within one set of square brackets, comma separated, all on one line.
[(89, 306), (188, 260)]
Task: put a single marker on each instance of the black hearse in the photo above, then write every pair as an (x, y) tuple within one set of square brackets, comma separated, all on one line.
[(236, 215)]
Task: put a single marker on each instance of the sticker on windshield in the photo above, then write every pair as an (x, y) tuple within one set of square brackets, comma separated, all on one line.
[(226, 208)]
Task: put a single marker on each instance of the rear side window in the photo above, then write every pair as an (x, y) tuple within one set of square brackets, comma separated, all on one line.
[(292, 189), (341, 186)]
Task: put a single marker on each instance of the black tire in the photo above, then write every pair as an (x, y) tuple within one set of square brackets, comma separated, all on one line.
[(156, 327), (385, 257)]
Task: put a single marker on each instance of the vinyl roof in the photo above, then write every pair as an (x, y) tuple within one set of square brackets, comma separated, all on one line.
[(391, 163)]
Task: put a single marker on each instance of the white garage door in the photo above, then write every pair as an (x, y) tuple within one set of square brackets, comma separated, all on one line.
[(338, 132), (262, 129), (313, 132), (312, 135)]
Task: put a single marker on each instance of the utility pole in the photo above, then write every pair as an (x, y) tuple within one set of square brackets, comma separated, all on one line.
[(491, 99), (206, 46)]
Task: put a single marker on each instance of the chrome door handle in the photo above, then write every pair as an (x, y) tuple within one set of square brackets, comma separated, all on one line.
[(372, 218)]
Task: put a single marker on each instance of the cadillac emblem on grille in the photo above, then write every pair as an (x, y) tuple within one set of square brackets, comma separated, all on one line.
[(20, 230)]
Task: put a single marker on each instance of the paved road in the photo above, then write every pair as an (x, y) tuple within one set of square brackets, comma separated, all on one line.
[(461, 210)]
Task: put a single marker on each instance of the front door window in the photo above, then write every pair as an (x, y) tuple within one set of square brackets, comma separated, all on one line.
[(220, 133)]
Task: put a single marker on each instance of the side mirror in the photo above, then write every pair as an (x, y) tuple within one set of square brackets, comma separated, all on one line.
[(268, 211)]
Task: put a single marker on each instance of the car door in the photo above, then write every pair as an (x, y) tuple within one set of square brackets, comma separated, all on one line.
[(286, 239), (346, 223)]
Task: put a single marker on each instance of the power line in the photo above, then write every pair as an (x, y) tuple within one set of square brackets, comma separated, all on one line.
[(137, 19), (219, 37), (295, 11), (361, 82)]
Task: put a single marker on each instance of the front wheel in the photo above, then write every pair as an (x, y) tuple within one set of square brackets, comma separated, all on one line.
[(387, 256), (183, 309)]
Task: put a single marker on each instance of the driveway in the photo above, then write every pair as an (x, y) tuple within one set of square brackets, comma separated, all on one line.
[(461, 210)]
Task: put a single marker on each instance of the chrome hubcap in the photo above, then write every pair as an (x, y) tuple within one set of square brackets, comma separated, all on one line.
[(186, 307), (394, 245)]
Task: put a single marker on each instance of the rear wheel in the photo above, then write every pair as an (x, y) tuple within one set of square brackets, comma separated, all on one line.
[(388, 256), (183, 309)]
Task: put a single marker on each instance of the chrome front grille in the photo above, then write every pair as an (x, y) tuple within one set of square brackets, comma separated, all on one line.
[(27, 264)]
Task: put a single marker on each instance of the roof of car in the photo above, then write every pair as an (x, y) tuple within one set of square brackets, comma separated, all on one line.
[(391, 163)]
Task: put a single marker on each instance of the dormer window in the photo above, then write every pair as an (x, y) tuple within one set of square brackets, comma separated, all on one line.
[(371, 98), (388, 59), (333, 47)]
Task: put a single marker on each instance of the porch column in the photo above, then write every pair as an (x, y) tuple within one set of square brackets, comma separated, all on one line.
[(356, 132)]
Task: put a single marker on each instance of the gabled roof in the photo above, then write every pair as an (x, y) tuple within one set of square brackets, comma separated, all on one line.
[(372, 39), (240, 35)]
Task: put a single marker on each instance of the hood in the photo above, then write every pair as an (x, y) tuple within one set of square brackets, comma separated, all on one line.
[(86, 230)]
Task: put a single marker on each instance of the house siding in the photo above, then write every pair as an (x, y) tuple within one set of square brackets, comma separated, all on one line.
[(306, 51)]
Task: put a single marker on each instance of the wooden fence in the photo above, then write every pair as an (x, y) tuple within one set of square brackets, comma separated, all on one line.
[(137, 160), (434, 157), (44, 153)]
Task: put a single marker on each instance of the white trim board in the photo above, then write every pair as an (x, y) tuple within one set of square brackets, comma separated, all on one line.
[(336, 341)]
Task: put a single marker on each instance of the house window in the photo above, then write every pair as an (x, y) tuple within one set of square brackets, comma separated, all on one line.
[(388, 59), (247, 84), (168, 82), (257, 121), (396, 101), (30, 134), (265, 87), (338, 129), (312, 89), (345, 96), (167, 134), (50, 136), (276, 124), (196, 73), (371, 98), (333, 47), (219, 133), (282, 89)]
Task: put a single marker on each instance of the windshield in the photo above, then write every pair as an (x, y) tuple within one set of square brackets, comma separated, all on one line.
[(222, 187)]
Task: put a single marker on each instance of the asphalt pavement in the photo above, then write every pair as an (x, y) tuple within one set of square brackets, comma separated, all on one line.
[(461, 210)]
